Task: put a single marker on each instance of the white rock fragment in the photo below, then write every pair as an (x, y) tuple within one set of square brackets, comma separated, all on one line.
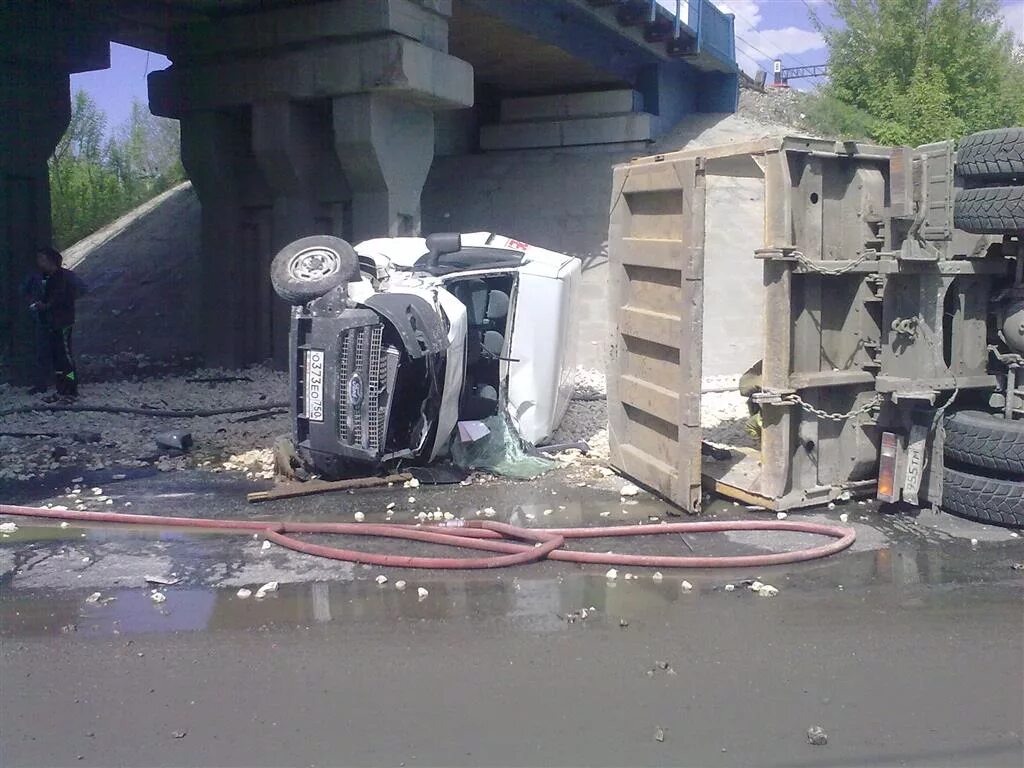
[(629, 490), (244, 593), (400, 585), (381, 580), (414, 483), (421, 516), (767, 590), (412, 499), (157, 597), (359, 517), (530, 516), (8, 527), (781, 516), (75, 480), (611, 574), (65, 524), (730, 587), (629, 576), (93, 598), (756, 586), (831, 505), (421, 593), (974, 542), (548, 512), (816, 736), (118, 477), (490, 512), (391, 505), (844, 518), (270, 586), (685, 585), (265, 546), (657, 576), (605, 513)]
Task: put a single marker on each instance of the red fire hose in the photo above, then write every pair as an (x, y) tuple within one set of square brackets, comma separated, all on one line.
[(515, 545)]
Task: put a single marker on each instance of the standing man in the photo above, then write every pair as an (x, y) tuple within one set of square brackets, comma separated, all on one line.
[(57, 311), (32, 289)]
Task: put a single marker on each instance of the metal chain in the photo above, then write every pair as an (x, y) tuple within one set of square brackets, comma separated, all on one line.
[(868, 406), (815, 265)]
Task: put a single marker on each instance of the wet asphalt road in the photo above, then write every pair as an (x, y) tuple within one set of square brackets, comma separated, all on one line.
[(907, 650)]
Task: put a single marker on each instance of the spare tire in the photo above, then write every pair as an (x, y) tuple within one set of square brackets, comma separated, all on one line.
[(985, 499), (979, 439), (307, 269), (990, 210), (991, 157)]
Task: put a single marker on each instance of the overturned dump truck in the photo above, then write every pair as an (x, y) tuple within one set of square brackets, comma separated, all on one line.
[(892, 335), (396, 340)]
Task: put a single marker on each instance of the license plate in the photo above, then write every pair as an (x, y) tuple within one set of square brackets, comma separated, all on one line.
[(314, 385)]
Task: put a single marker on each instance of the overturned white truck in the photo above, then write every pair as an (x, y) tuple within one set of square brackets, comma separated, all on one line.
[(893, 322), (395, 341)]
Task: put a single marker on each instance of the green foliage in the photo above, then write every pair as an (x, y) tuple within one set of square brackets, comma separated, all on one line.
[(829, 116), (94, 180), (923, 70)]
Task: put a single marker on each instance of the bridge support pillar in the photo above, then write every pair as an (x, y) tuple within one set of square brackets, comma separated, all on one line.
[(312, 119)]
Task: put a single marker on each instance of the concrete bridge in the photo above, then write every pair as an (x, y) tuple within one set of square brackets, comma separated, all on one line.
[(325, 117)]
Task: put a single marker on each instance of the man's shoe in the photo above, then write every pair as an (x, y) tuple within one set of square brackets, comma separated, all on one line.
[(37, 390), (54, 398)]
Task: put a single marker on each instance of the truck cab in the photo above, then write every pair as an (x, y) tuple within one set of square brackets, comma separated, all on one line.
[(396, 340)]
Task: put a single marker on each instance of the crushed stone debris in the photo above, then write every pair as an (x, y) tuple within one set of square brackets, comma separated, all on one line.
[(611, 574), (270, 586), (359, 517), (381, 580), (685, 586), (400, 585), (629, 490), (157, 597), (730, 587), (8, 527), (767, 590), (244, 593), (816, 736), (421, 592)]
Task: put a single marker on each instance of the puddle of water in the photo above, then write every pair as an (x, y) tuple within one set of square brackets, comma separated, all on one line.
[(528, 601)]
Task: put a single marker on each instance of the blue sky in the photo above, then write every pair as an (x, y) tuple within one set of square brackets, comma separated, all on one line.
[(765, 29)]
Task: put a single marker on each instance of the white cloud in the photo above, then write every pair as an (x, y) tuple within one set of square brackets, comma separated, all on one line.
[(1013, 18), (757, 46)]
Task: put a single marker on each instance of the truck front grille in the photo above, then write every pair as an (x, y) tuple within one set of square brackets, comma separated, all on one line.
[(361, 420)]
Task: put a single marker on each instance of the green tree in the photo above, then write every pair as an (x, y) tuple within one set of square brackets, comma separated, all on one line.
[(94, 179), (924, 70)]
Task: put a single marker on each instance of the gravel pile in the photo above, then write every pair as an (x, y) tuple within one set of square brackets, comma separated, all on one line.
[(102, 440), (723, 416), (776, 106)]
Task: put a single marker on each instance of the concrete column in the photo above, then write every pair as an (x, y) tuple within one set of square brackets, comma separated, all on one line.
[(325, 110), (40, 45), (385, 148)]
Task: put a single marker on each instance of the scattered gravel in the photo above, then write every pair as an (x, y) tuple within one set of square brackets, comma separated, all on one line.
[(231, 441)]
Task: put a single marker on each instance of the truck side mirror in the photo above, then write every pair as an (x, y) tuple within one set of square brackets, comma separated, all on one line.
[(440, 243)]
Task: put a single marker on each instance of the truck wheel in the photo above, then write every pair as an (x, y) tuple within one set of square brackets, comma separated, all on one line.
[(985, 499), (990, 210), (309, 268), (991, 157), (979, 439)]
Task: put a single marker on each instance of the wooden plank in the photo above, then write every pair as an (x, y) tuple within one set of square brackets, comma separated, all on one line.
[(807, 380), (293, 490)]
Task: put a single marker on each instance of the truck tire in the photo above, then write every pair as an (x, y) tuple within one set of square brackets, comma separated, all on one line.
[(308, 268), (990, 210), (991, 157), (979, 439), (985, 499)]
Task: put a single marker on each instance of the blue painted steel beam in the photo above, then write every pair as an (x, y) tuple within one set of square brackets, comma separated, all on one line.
[(575, 31)]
